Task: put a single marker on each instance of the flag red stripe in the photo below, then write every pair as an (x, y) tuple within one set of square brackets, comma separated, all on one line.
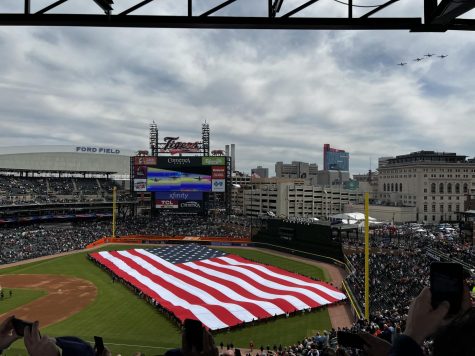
[(180, 312), (261, 287), (281, 303), (219, 311), (280, 280), (251, 307)]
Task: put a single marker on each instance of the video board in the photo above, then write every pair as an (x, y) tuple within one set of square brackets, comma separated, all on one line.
[(164, 180), (184, 183)]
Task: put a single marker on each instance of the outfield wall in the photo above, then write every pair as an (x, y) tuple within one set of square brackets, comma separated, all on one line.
[(306, 240), (151, 239)]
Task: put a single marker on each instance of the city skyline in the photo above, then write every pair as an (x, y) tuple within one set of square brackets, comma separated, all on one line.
[(278, 95)]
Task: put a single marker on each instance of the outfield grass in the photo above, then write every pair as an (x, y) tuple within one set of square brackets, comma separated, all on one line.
[(122, 318), (19, 297)]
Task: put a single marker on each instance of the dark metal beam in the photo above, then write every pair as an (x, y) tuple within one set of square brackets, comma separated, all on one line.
[(218, 22), (217, 8), (429, 9), (52, 6), (300, 8), (27, 7), (448, 10), (462, 25), (379, 8), (135, 7), (190, 7)]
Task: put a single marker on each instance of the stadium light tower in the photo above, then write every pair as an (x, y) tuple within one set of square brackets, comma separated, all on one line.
[(154, 139)]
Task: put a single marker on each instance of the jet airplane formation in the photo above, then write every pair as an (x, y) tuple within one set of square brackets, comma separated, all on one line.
[(424, 57)]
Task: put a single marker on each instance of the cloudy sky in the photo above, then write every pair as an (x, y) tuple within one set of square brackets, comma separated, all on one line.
[(278, 95)]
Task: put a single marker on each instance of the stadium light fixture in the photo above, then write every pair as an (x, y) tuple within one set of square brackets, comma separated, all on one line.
[(105, 5)]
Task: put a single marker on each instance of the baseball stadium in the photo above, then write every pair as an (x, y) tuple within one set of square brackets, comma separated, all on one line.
[(129, 246), (75, 221)]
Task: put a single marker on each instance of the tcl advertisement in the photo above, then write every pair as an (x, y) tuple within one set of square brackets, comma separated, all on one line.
[(183, 205), (166, 204)]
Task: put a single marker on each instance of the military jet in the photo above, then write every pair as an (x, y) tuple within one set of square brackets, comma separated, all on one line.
[(418, 59), (443, 55), (429, 55), (402, 64)]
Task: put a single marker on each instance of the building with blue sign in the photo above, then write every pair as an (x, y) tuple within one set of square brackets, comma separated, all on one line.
[(335, 159)]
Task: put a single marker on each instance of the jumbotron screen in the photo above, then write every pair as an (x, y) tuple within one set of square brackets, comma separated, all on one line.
[(187, 174), (164, 180)]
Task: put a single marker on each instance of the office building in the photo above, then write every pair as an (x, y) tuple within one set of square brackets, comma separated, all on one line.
[(335, 159), (437, 184), (260, 172), (286, 198), (296, 170)]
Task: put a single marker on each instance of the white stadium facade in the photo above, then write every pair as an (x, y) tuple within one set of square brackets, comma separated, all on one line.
[(91, 159)]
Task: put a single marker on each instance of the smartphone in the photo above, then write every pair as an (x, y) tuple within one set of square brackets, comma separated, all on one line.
[(20, 325), (446, 283), (194, 334), (347, 339), (98, 345)]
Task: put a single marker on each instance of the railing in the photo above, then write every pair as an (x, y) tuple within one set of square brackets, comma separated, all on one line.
[(354, 303)]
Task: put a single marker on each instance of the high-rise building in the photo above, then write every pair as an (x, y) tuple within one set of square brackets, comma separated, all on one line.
[(260, 172), (296, 170), (335, 159)]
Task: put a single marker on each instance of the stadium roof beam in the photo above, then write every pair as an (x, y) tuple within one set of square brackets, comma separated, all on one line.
[(216, 8), (52, 6), (449, 10), (437, 17), (105, 5)]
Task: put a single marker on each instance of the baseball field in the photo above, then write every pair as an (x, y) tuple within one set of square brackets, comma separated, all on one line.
[(70, 295)]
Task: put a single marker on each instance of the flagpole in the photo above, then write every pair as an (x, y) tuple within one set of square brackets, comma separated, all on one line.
[(366, 255), (114, 203)]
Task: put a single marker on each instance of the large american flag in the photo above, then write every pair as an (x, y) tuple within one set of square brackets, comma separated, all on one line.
[(217, 288)]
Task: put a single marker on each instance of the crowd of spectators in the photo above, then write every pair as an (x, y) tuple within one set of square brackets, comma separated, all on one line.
[(399, 266), (186, 225), (26, 242), (31, 241), (15, 190), (396, 278)]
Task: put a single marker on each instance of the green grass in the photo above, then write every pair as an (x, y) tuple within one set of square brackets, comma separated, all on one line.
[(19, 297), (122, 318)]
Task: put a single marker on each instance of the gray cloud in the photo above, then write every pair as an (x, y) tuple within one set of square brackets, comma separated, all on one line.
[(279, 95)]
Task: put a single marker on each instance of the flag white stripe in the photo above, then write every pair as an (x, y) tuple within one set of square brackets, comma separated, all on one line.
[(269, 307), (235, 309), (297, 303), (271, 284), (264, 269), (206, 316)]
